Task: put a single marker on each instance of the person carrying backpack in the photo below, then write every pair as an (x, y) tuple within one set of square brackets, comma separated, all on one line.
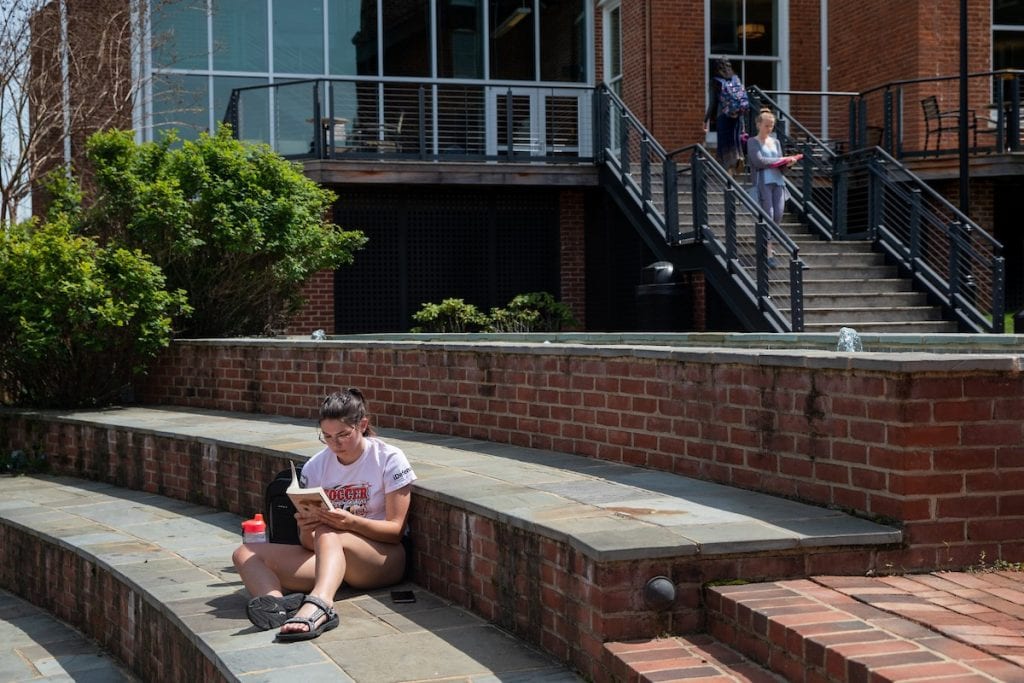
[(728, 105)]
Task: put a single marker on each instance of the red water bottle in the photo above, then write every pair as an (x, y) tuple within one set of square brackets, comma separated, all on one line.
[(254, 530)]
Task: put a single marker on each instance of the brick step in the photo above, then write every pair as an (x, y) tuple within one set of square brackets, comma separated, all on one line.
[(949, 626), (694, 658)]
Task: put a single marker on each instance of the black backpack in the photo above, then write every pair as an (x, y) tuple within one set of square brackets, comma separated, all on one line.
[(279, 512)]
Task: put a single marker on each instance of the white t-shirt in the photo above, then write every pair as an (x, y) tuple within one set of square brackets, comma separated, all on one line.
[(361, 486)]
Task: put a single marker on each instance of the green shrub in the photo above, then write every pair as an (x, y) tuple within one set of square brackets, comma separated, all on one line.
[(451, 315), (534, 312), (235, 225), (77, 321)]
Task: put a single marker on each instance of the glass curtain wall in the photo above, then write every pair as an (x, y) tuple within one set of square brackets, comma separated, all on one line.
[(201, 49)]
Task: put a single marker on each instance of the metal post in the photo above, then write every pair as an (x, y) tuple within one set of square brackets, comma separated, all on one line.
[(965, 201)]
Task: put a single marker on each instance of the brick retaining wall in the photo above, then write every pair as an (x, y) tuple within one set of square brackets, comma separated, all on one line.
[(932, 441), (96, 601)]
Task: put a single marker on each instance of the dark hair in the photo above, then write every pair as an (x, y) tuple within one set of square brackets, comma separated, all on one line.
[(347, 405), (723, 68)]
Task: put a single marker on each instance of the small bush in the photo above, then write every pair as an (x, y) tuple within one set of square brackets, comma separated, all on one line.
[(451, 315), (534, 312), (235, 225), (77, 321)]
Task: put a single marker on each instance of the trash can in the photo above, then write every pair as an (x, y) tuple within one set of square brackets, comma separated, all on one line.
[(1018, 322), (662, 304)]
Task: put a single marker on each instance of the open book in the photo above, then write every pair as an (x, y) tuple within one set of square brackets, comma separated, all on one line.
[(786, 160), (306, 499)]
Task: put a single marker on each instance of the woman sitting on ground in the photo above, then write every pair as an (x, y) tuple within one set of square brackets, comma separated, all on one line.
[(358, 542)]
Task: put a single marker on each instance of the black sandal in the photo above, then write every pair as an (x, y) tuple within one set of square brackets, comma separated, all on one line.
[(323, 610), (270, 611)]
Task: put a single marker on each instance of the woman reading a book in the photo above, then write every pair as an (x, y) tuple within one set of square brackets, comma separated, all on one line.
[(766, 171), (767, 165), (357, 541)]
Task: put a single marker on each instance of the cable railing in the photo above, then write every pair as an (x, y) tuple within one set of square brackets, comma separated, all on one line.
[(724, 217), (954, 260), (869, 194), (423, 120), (920, 117)]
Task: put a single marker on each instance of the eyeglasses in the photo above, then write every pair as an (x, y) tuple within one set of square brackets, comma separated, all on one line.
[(340, 436)]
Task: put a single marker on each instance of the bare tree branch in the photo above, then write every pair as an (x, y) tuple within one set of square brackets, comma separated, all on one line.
[(67, 70)]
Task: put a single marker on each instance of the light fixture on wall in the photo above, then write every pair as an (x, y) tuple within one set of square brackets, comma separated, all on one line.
[(750, 31), (518, 14)]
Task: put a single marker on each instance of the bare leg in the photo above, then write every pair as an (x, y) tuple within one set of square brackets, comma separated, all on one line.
[(346, 557), (271, 568)]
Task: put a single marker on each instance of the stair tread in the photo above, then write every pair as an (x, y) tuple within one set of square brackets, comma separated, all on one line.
[(944, 624), (689, 657)]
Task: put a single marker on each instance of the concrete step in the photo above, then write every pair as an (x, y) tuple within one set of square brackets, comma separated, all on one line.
[(866, 287), (154, 571), (871, 301), (888, 327), (869, 314)]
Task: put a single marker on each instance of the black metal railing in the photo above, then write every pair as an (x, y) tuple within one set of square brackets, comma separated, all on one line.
[(946, 253), (724, 217), (425, 120), (920, 117), (869, 194)]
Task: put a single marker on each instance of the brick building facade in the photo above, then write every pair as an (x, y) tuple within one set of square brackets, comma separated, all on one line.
[(665, 48)]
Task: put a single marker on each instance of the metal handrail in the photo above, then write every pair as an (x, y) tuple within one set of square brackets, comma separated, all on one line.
[(739, 241), (946, 253), (422, 119)]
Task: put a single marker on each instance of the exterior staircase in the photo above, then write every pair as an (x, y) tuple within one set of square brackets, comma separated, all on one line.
[(848, 284), (845, 283)]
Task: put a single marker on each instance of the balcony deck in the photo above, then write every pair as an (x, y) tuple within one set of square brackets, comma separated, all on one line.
[(345, 171)]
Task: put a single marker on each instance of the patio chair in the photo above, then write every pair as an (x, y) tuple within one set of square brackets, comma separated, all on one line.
[(937, 121)]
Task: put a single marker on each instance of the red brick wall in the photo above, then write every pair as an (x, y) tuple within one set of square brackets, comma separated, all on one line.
[(939, 451), (571, 222), (318, 313), (89, 596), (905, 41)]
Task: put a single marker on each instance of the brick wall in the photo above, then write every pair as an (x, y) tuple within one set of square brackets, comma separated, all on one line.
[(571, 230), (90, 597), (937, 447), (318, 312)]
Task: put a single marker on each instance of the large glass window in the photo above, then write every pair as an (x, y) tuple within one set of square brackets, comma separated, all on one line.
[(460, 39), (182, 103), (180, 35), (406, 38), (299, 36), (512, 40), (1007, 34), (240, 35), (253, 106), (563, 40), (352, 37), (747, 32)]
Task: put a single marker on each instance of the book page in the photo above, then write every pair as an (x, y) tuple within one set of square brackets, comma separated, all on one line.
[(307, 499)]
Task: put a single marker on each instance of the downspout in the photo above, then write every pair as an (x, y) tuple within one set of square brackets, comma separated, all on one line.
[(648, 71), (824, 68)]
